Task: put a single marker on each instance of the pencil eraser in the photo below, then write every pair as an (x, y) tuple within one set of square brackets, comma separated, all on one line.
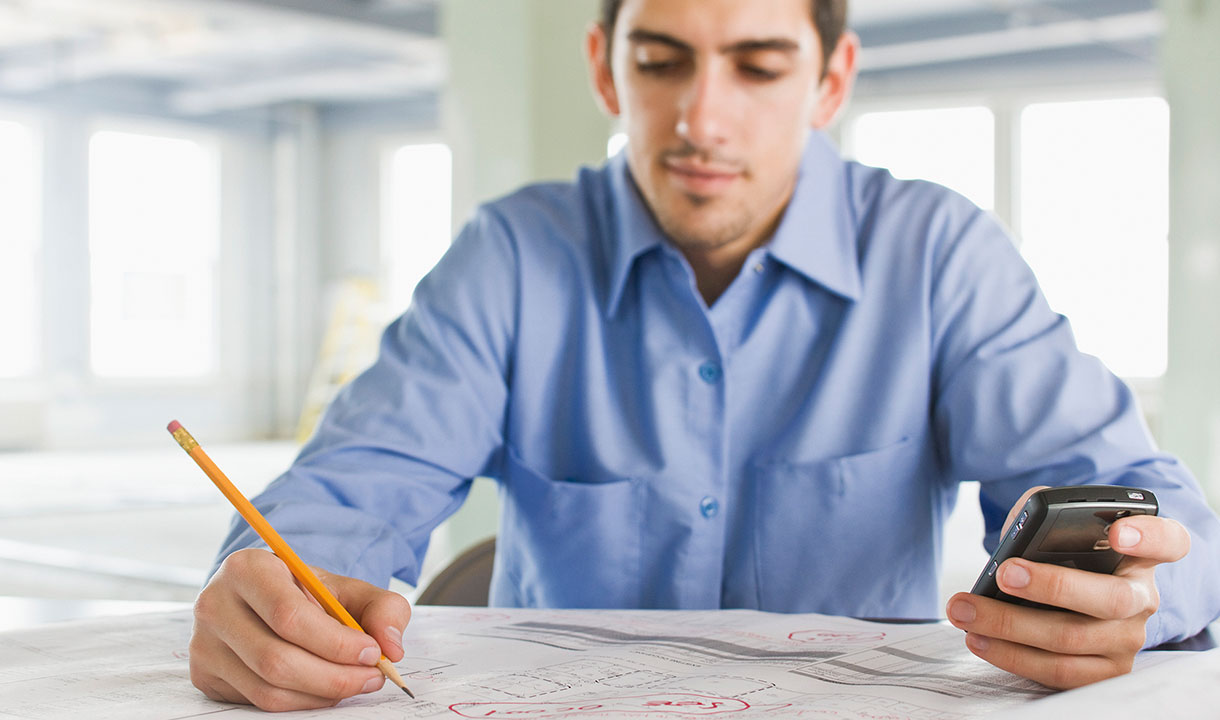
[(174, 426)]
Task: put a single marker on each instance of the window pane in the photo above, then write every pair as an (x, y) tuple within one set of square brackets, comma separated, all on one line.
[(951, 146), (153, 242), (417, 228), (1095, 223), (19, 229)]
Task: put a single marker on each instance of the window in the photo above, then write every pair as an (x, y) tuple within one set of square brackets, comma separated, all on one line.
[(952, 146), (1094, 223), (617, 142), (416, 223), (19, 269), (1091, 184), (154, 245)]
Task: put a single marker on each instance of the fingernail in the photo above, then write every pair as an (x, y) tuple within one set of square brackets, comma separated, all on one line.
[(978, 642), (962, 611), (1016, 576), (373, 684), (394, 635), (369, 656), (1128, 537)]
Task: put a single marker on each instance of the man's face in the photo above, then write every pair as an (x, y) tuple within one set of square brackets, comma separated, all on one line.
[(717, 97)]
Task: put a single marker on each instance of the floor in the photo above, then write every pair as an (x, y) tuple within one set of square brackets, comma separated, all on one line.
[(85, 533)]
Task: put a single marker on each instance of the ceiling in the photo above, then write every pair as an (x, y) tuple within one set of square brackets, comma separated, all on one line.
[(203, 57)]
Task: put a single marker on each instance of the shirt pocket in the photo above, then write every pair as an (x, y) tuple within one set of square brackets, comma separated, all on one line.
[(568, 544), (843, 535)]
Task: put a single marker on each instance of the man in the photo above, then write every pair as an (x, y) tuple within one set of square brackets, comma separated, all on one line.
[(725, 370)]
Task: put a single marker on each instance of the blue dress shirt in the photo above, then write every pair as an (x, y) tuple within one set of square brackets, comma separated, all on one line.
[(795, 447)]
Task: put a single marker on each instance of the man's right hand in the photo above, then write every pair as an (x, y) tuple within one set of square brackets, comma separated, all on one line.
[(261, 639)]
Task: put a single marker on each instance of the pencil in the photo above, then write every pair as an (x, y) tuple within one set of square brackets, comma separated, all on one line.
[(278, 545)]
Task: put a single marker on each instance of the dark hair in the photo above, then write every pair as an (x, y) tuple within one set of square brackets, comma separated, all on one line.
[(829, 19)]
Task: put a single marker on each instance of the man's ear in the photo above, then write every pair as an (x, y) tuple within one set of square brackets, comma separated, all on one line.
[(838, 80), (600, 75)]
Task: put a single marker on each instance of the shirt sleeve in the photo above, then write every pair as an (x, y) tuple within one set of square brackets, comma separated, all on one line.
[(396, 451), (1018, 405)]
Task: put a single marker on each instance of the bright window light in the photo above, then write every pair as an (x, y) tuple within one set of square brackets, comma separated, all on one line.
[(20, 182), (416, 217), (954, 147), (617, 142), (1095, 220), (154, 244)]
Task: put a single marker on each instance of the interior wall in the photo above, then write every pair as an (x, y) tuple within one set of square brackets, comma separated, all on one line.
[(1191, 62)]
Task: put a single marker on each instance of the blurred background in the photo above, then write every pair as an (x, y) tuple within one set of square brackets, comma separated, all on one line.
[(210, 208)]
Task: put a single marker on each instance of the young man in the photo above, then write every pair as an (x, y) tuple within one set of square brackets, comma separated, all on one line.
[(725, 370)]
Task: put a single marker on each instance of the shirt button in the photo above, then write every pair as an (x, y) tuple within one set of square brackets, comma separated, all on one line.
[(709, 506), (710, 372), (758, 268)]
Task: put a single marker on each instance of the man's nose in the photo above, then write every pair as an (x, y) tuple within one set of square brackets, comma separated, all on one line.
[(704, 109)]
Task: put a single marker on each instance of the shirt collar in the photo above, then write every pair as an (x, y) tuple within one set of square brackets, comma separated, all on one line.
[(815, 237), (635, 233)]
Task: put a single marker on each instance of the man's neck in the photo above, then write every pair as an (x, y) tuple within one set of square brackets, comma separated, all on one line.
[(713, 272), (715, 268)]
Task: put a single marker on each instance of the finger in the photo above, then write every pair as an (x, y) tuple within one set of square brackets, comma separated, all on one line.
[(1065, 633), (241, 684), (283, 665), (1149, 540), (1061, 672), (207, 666), (220, 691), (1020, 503), (382, 613), (1110, 597), (266, 586)]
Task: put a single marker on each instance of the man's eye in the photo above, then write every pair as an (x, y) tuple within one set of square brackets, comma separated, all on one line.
[(659, 67), (755, 72)]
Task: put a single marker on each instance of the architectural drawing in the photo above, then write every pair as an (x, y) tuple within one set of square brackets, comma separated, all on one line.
[(571, 664)]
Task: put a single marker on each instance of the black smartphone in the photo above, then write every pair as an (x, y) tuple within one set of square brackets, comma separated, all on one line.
[(1066, 526)]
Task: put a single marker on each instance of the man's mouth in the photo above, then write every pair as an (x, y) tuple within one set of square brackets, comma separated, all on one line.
[(700, 178)]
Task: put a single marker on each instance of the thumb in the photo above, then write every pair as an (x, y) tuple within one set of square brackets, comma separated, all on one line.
[(382, 613)]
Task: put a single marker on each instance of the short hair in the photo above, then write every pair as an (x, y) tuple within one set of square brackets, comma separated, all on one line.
[(829, 19)]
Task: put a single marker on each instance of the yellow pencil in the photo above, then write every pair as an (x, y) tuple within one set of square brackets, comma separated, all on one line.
[(277, 543)]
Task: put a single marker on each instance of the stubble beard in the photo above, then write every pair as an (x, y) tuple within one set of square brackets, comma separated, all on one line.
[(690, 234)]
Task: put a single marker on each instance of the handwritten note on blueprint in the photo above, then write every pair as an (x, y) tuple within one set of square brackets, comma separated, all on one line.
[(570, 664)]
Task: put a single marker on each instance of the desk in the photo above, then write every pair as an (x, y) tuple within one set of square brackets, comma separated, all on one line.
[(26, 612), (577, 664)]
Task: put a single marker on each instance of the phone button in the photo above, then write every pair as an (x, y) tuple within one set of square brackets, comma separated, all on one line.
[(992, 568)]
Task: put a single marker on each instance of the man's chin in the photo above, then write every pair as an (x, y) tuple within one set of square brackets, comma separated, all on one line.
[(704, 223), (703, 239)]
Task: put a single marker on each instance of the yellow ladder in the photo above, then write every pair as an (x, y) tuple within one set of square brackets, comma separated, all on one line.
[(348, 347)]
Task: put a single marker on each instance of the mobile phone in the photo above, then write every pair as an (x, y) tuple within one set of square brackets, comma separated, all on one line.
[(1066, 526)]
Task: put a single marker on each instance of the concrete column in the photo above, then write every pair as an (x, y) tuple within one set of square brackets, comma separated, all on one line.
[(297, 249), (1191, 62)]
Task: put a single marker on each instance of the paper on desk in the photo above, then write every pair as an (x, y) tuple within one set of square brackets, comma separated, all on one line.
[(572, 664), (1187, 685)]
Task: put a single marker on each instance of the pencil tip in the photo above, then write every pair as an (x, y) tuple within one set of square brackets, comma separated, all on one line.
[(404, 689)]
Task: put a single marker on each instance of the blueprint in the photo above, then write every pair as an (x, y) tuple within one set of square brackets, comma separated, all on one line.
[(571, 664)]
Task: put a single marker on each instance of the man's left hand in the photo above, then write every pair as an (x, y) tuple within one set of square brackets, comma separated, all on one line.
[(1103, 626)]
